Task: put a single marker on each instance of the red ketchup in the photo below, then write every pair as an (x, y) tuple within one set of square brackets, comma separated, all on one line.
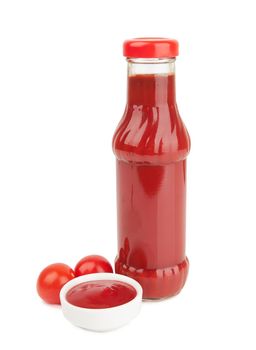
[(151, 144), (101, 294)]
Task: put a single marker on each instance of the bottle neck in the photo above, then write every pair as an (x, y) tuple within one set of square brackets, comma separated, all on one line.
[(151, 82)]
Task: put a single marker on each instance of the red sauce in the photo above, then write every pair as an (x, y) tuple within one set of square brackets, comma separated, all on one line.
[(151, 144), (101, 294)]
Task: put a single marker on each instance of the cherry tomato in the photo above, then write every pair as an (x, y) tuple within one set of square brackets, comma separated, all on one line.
[(51, 280), (92, 264)]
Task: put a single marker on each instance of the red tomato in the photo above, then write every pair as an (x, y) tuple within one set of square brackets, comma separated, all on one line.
[(51, 280), (92, 264)]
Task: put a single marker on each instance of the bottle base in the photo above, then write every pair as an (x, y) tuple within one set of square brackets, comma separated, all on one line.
[(157, 283)]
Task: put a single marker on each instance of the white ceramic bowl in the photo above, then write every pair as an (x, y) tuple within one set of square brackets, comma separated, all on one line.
[(101, 319)]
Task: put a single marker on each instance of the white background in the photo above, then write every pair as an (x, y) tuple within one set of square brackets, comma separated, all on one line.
[(63, 85)]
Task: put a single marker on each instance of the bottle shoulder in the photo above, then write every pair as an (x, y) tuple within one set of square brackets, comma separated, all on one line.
[(151, 135)]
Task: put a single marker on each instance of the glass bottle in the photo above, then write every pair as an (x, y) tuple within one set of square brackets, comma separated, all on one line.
[(151, 144)]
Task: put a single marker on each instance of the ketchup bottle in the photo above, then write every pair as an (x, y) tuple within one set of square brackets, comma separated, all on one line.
[(151, 144)]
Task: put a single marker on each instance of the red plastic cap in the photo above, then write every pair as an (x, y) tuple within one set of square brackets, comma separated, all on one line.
[(151, 48)]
